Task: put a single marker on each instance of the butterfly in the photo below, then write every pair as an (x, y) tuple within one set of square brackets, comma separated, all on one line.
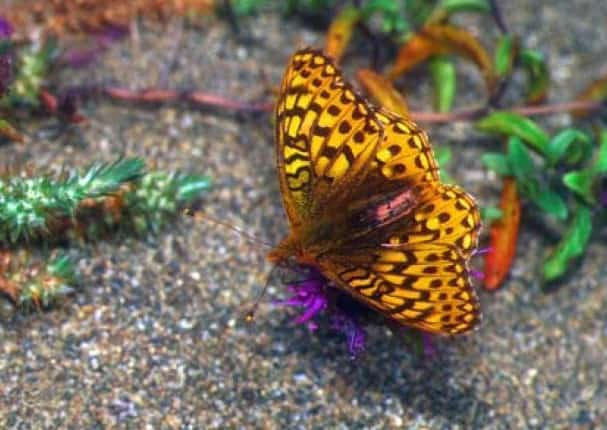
[(365, 205)]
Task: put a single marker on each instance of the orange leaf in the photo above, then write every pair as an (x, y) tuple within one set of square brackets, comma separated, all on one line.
[(382, 91), (7, 286), (10, 132), (503, 236), (340, 32), (443, 39), (596, 91)]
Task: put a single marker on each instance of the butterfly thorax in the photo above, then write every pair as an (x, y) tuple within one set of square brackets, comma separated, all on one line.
[(307, 244), (351, 226)]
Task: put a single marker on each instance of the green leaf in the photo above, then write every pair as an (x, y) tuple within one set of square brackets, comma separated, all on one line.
[(443, 155), (538, 74), (392, 18), (443, 75), (491, 213), (551, 203), (572, 245), (519, 159), (600, 164), (63, 266), (580, 182), (6, 46), (572, 143), (454, 6), (104, 178), (497, 162), (34, 63), (504, 55), (512, 124), (190, 187), (247, 7)]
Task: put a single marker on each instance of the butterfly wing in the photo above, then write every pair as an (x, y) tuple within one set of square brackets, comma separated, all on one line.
[(402, 240), (325, 136), (415, 271), (404, 156), (424, 286), (447, 215)]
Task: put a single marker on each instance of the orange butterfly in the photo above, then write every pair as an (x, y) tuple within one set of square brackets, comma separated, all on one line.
[(361, 190)]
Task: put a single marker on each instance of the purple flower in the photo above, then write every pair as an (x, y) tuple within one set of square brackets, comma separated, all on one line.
[(603, 196), (310, 295), (428, 346), (354, 332), (83, 56), (477, 274), (314, 296), (6, 72), (6, 29)]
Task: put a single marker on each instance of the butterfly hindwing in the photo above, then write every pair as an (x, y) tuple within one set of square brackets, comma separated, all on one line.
[(415, 269), (449, 215), (426, 286)]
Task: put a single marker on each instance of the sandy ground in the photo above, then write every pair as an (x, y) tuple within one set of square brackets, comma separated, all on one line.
[(155, 337)]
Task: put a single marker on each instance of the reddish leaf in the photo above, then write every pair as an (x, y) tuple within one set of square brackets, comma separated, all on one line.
[(340, 32), (503, 236), (382, 91), (443, 39), (418, 48), (65, 108), (48, 100)]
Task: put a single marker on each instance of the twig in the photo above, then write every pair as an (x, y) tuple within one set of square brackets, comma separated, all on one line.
[(547, 109), (439, 117), (215, 100), (498, 16), (204, 99), (538, 110), (199, 98)]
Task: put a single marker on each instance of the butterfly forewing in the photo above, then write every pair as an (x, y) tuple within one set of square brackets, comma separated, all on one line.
[(405, 154), (326, 136)]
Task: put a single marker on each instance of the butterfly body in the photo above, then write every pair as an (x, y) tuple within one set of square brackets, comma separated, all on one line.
[(365, 205)]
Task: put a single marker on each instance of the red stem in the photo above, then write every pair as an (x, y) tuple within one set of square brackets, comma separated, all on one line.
[(200, 98)]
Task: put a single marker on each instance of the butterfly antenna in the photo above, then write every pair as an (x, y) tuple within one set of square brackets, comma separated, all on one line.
[(251, 312), (200, 216)]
